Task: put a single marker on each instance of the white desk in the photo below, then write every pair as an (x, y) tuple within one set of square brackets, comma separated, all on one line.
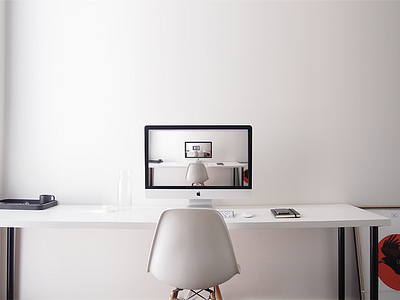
[(237, 168), (184, 164), (91, 216)]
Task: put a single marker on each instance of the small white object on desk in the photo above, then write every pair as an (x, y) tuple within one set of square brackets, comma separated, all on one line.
[(109, 208), (247, 214)]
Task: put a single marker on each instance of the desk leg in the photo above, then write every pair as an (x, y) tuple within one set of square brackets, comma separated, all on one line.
[(341, 262), (374, 280), (240, 175), (151, 176), (10, 262), (237, 176)]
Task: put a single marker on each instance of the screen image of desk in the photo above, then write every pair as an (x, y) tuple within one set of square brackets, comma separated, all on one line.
[(225, 150), (233, 173)]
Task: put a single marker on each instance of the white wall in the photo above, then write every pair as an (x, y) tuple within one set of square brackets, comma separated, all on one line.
[(317, 80), (226, 146), (2, 123), (2, 84)]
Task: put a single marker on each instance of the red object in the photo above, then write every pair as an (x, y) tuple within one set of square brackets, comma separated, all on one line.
[(245, 176), (389, 261)]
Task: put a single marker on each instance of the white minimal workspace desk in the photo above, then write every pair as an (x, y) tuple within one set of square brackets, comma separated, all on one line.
[(91, 216)]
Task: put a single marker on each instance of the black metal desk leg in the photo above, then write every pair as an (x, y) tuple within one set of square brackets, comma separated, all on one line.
[(374, 262), (151, 176), (341, 262), (10, 262)]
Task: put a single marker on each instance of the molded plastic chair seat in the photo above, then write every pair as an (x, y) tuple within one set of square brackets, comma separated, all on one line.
[(192, 249)]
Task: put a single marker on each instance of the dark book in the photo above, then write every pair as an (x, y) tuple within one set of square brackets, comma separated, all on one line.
[(285, 213)]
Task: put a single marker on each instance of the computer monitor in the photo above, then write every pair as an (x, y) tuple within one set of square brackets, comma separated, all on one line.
[(176, 156)]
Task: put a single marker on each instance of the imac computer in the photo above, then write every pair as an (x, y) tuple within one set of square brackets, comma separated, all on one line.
[(198, 162)]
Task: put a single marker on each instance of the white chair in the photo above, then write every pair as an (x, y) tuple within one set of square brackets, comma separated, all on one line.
[(192, 250), (196, 173)]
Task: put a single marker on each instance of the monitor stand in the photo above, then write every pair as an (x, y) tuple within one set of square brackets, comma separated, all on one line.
[(200, 203)]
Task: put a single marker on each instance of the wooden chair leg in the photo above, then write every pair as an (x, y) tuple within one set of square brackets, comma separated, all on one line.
[(174, 294), (212, 295), (218, 293)]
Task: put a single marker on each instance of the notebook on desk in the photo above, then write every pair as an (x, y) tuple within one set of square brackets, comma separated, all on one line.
[(285, 213)]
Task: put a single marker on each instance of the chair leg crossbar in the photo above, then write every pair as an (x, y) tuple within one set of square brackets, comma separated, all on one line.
[(192, 293)]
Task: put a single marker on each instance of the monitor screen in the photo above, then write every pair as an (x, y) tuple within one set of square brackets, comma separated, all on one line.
[(198, 162)]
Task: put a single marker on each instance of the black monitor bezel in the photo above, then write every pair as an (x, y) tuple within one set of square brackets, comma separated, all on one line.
[(249, 128)]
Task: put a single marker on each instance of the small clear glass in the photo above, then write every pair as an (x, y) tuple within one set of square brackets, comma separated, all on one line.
[(124, 199)]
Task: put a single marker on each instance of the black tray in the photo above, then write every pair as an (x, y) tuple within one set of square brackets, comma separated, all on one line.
[(23, 204)]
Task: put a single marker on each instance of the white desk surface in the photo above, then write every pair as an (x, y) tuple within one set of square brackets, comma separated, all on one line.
[(92, 216), (211, 164)]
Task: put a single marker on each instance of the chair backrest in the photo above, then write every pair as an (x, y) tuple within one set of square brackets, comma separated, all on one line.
[(196, 172), (192, 249)]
